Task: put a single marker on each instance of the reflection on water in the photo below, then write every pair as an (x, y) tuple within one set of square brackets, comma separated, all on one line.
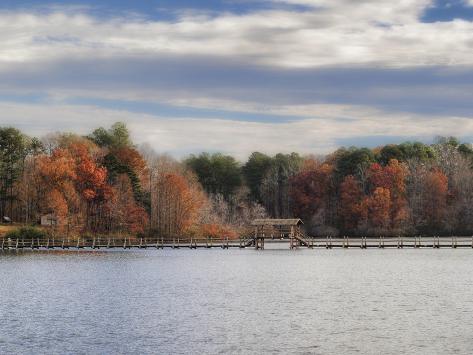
[(237, 301)]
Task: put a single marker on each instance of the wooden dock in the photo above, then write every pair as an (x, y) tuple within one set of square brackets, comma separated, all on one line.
[(226, 243)]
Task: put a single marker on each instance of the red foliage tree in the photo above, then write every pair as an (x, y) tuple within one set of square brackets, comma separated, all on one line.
[(310, 189)]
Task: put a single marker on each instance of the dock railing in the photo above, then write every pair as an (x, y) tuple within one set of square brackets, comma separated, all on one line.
[(224, 242)]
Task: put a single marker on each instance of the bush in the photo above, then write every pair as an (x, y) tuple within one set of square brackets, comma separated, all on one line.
[(26, 233)]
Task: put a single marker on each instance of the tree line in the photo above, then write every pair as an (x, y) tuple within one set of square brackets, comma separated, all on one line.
[(103, 183)]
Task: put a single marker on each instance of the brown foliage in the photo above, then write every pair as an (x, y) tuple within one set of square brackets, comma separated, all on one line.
[(310, 189), (352, 208)]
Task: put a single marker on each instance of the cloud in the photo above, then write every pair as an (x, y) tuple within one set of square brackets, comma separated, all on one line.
[(332, 33), (189, 135), (289, 78), (231, 85)]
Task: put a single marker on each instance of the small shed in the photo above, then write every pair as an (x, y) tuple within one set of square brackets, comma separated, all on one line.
[(277, 222), (49, 219), (278, 228)]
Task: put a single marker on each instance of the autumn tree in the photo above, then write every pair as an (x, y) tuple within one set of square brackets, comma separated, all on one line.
[(378, 206), (92, 185), (352, 206), (434, 200), (392, 178), (122, 157), (57, 178), (310, 193), (125, 215), (176, 203)]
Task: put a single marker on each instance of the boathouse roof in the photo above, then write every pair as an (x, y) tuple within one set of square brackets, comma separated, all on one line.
[(277, 222)]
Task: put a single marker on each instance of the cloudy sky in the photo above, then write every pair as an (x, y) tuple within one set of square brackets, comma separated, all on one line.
[(240, 75)]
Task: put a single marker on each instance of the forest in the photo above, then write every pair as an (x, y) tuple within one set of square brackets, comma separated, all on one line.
[(104, 184)]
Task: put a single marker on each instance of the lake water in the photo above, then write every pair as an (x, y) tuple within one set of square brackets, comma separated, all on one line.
[(237, 301)]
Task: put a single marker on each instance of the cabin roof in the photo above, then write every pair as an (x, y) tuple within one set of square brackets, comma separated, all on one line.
[(277, 222)]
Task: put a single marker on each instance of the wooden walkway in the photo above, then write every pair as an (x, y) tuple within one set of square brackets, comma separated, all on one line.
[(225, 243)]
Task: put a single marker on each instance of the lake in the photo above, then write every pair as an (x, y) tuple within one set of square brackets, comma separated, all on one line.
[(239, 301)]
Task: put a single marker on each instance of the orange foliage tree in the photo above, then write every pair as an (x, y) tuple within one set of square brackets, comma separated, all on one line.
[(218, 231), (57, 177), (176, 204), (378, 206), (434, 198), (392, 178), (91, 184)]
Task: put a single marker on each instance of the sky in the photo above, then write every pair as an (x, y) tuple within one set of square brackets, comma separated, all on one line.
[(237, 76)]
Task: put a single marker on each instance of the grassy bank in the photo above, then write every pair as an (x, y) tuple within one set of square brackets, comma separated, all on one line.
[(5, 229)]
